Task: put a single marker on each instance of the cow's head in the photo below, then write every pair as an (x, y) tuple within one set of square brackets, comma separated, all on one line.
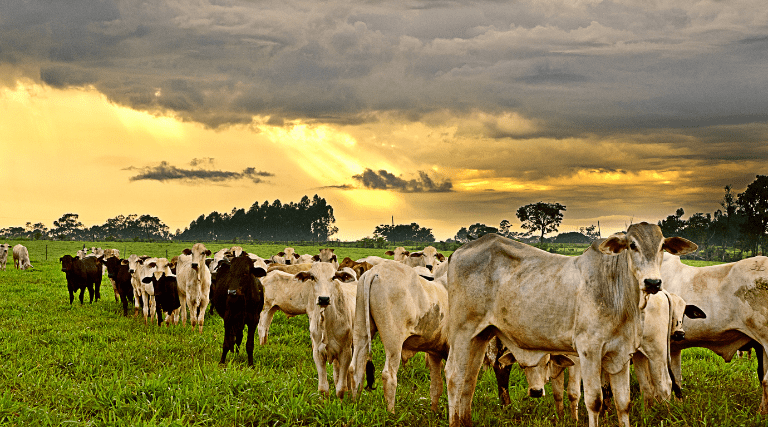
[(645, 245), (67, 263), (113, 265), (432, 257), (289, 255), (198, 253), (323, 280), (679, 310), (398, 254), (325, 255), (242, 274)]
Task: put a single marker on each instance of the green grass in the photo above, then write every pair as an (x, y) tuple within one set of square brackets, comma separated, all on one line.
[(63, 365)]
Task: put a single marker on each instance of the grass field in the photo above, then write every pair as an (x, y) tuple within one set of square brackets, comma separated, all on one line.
[(89, 366)]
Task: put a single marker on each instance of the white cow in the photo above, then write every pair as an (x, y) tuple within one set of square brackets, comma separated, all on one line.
[(194, 280), (4, 255), (146, 268), (410, 313), (735, 298), (133, 267), (373, 260), (589, 305), (399, 254), (331, 310), (284, 292), (429, 257), (305, 259), (21, 257)]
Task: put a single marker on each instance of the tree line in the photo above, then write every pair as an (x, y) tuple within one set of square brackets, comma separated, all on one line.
[(307, 220)]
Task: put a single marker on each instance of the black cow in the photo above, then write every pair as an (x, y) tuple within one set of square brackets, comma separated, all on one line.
[(119, 271), (82, 274), (166, 295), (238, 297)]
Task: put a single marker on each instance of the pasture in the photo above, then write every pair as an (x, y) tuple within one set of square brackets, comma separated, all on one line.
[(90, 366)]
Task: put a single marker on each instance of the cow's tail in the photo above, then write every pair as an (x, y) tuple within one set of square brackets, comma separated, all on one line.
[(369, 367), (675, 386)]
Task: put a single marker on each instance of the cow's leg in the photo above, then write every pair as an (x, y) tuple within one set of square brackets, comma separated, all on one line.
[(201, 317), (182, 311), (574, 387), (249, 344), (763, 356), (675, 358), (82, 294), (341, 373), (435, 363), (114, 289), (621, 395), (591, 375), (124, 300), (502, 381), (71, 296), (265, 321), (359, 357), (644, 378), (557, 380), (97, 287), (322, 373), (389, 373), (461, 370)]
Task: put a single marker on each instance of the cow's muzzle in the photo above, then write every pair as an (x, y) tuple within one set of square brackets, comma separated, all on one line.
[(678, 336), (323, 301), (195, 265), (536, 392), (652, 285)]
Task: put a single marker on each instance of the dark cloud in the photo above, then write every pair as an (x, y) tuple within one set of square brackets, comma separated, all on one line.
[(165, 172), (383, 180)]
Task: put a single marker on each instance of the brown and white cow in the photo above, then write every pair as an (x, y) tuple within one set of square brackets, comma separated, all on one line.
[(194, 280), (331, 311), (358, 267), (735, 298), (410, 315), (21, 257), (4, 255), (539, 303)]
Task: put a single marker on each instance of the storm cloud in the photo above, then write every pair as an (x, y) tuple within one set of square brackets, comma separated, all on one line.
[(164, 172), (383, 180)]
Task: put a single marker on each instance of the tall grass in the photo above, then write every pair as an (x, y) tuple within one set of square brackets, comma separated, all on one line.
[(86, 365)]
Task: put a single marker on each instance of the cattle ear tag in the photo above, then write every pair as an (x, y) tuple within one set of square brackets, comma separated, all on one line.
[(232, 292)]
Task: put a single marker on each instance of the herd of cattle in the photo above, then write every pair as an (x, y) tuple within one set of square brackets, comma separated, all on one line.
[(495, 301)]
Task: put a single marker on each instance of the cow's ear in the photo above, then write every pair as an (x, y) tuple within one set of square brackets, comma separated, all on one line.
[(61, 259), (679, 246), (297, 256), (429, 278), (258, 271), (416, 254), (303, 276), (333, 258), (316, 257), (208, 262), (390, 253), (440, 256), (208, 252), (281, 253), (406, 253), (344, 277), (187, 251), (147, 279), (561, 360), (694, 312), (614, 244), (152, 265)]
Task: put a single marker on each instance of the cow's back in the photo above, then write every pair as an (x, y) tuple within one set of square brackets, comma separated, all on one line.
[(516, 287)]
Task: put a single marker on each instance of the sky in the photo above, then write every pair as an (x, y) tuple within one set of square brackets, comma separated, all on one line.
[(442, 113)]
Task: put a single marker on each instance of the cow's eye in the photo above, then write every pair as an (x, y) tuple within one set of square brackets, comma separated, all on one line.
[(633, 246)]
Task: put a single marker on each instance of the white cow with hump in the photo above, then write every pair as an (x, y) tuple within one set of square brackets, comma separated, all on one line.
[(410, 314), (194, 282), (331, 311), (735, 298), (589, 305), (21, 257), (284, 292)]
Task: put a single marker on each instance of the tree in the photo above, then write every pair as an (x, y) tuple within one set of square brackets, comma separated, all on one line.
[(68, 227), (474, 232), (403, 232), (698, 230), (543, 217), (753, 203), (592, 232), (729, 211), (673, 225)]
